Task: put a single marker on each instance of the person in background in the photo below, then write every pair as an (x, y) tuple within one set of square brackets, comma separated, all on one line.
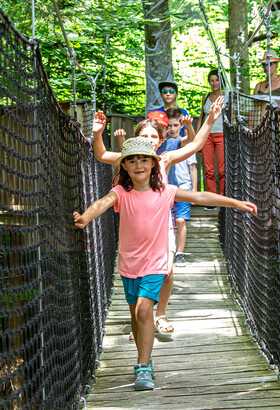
[(262, 88), (169, 92), (158, 116), (168, 144), (183, 175), (215, 141)]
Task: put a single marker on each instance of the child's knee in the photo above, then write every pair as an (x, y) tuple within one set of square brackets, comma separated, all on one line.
[(180, 222), (144, 311)]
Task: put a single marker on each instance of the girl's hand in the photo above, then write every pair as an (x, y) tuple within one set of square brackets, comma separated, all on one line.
[(247, 206), (216, 108), (78, 220), (187, 121), (99, 122), (120, 133)]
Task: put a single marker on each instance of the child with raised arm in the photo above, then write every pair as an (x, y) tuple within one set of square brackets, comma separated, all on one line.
[(155, 133), (183, 175), (144, 204), (161, 118)]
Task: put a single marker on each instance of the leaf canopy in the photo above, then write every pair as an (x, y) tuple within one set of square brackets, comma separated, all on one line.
[(109, 42)]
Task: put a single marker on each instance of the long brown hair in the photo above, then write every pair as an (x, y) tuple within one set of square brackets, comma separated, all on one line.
[(122, 178)]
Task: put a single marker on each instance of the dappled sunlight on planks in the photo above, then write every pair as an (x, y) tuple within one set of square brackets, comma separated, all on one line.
[(208, 296), (205, 313), (210, 362), (222, 327)]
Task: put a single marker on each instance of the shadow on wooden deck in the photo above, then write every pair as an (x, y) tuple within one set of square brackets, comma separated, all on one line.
[(211, 360)]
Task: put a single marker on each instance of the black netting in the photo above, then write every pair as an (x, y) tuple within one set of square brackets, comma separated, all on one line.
[(56, 281), (251, 243)]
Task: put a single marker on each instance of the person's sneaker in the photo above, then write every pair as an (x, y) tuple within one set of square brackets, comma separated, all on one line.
[(179, 260), (210, 208), (152, 368), (143, 379)]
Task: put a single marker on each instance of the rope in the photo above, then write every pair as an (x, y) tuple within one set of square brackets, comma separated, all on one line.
[(257, 29), (57, 282), (217, 51), (70, 50), (73, 61)]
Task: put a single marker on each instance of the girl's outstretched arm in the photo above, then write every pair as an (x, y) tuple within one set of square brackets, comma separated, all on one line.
[(179, 155), (96, 209), (211, 199), (100, 152)]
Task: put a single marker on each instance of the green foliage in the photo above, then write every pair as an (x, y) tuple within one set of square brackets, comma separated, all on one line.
[(108, 38), (194, 54)]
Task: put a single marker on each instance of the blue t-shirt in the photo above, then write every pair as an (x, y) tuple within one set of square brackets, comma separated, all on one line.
[(169, 145), (184, 113)]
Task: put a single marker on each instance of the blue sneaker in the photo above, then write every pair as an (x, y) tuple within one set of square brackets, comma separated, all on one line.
[(143, 379), (152, 368)]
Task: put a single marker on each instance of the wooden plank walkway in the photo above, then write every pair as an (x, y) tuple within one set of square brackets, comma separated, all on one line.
[(210, 362)]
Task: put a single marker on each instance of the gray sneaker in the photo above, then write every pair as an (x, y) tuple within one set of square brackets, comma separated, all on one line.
[(179, 260)]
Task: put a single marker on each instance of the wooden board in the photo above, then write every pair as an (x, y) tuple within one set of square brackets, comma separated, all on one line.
[(210, 362)]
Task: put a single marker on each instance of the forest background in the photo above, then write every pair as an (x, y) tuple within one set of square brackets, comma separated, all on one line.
[(108, 37)]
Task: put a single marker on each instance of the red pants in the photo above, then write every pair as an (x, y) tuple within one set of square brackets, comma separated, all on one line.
[(214, 142)]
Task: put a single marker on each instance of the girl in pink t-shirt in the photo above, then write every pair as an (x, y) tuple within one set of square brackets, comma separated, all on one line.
[(144, 204), (154, 131)]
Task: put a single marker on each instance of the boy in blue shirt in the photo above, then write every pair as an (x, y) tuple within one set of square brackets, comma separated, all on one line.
[(183, 175), (169, 92)]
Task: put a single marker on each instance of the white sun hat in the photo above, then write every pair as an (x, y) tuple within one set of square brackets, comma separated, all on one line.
[(137, 146)]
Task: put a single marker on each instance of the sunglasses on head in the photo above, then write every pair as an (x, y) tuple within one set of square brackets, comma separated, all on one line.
[(171, 91)]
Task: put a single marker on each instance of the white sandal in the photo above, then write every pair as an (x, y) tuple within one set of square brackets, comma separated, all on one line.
[(161, 328), (131, 337)]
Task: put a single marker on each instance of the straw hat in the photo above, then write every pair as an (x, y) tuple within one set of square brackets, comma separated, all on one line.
[(272, 57), (137, 146)]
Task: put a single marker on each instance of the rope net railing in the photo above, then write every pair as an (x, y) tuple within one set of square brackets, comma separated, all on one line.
[(251, 243), (56, 281)]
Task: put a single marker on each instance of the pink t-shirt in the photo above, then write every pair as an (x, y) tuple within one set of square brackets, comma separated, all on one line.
[(143, 230)]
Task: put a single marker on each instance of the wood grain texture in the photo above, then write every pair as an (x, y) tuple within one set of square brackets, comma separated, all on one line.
[(210, 362)]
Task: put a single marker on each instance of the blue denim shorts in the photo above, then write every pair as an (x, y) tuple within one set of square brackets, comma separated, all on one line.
[(181, 210), (147, 287)]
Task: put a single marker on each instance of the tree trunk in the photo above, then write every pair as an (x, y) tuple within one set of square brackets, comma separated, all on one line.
[(237, 38), (158, 53)]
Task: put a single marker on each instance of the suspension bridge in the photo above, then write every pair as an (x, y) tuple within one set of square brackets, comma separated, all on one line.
[(57, 284), (210, 362)]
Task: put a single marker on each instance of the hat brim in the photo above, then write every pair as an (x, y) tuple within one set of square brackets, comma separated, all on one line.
[(155, 156), (167, 84), (272, 60)]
